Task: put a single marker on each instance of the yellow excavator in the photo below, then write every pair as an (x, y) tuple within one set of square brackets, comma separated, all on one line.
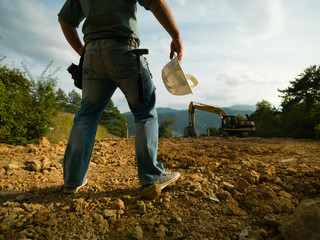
[(230, 125)]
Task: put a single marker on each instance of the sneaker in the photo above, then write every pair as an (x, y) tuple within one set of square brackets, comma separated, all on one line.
[(167, 178), (71, 190)]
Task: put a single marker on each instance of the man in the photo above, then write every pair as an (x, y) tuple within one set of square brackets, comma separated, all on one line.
[(110, 32)]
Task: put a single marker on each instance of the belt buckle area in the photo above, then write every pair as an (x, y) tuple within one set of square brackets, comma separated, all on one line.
[(133, 43)]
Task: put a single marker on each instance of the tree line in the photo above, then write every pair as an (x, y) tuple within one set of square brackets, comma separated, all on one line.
[(299, 116), (28, 105)]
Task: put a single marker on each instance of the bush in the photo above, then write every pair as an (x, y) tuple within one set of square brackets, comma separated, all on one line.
[(26, 105)]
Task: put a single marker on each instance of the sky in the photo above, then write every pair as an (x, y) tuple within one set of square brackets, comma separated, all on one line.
[(240, 52)]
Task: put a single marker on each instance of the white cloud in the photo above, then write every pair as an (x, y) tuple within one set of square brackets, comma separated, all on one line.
[(259, 20)]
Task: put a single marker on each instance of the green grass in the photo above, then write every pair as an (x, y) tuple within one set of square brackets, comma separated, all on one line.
[(62, 124)]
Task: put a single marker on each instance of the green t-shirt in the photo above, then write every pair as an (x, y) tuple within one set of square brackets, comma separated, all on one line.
[(104, 18)]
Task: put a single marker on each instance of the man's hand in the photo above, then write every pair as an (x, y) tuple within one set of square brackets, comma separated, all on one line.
[(163, 14), (176, 47)]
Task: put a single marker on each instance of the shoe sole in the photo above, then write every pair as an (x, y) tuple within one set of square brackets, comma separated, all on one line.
[(71, 191), (163, 185)]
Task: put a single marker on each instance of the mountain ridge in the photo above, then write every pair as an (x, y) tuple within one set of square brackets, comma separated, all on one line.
[(203, 119)]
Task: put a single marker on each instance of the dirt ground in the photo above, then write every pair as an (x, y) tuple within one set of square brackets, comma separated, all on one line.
[(230, 188)]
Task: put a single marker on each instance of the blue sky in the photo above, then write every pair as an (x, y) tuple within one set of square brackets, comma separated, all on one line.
[(241, 52)]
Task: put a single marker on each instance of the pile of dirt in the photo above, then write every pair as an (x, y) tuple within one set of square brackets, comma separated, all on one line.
[(230, 188)]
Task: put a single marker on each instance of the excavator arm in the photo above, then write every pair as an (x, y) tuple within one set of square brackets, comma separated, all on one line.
[(190, 130)]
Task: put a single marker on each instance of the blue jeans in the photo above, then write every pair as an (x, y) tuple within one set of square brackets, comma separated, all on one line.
[(107, 66)]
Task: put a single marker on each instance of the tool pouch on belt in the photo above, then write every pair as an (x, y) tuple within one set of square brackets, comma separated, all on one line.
[(76, 72)]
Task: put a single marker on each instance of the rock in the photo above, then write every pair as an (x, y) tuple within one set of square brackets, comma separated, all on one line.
[(151, 192), (241, 184), (232, 208), (288, 160), (118, 204), (45, 162), (204, 214), (271, 220), (161, 232), (177, 234), (9, 193), (252, 177), (262, 197), (248, 234), (107, 213), (223, 195), (44, 142), (33, 165), (304, 222), (286, 205), (80, 204), (11, 166), (141, 207), (227, 186), (267, 173), (200, 193), (137, 233), (214, 198)]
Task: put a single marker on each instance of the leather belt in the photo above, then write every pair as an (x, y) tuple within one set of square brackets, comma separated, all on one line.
[(130, 42)]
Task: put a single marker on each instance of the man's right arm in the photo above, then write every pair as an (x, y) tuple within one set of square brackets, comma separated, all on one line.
[(163, 14), (72, 36)]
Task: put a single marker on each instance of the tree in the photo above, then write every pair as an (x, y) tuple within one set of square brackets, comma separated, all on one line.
[(266, 119), (213, 131), (164, 131), (61, 99), (114, 121), (73, 102), (301, 104)]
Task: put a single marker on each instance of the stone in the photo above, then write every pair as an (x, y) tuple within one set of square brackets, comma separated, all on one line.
[(137, 233), (262, 197), (141, 207), (151, 192), (248, 234), (161, 232), (227, 186), (33, 165), (118, 204), (232, 208), (45, 163), (271, 220), (108, 213), (304, 222), (200, 193), (241, 184), (267, 173), (204, 214), (252, 176), (223, 195), (286, 205), (214, 198), (44, 142), (9, 193), (11, 166)]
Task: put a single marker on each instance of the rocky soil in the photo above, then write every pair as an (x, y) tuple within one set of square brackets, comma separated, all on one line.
[(230, 188)]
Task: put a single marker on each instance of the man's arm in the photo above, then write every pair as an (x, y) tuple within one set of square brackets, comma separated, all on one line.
[(72, 36), (163, 14)]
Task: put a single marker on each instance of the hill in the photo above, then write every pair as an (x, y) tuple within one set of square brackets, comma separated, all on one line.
[(62, 124), (203, 119)]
